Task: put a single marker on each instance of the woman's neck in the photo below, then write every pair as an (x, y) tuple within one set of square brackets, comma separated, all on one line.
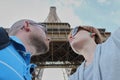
[(88, 52)]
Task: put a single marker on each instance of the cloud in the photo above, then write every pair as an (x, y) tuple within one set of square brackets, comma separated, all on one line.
[(66, 11), (107, 2), (115, 16), (75, 3), (102, 1), (12, 11), (38, 10), (54, 74), (69, 16)]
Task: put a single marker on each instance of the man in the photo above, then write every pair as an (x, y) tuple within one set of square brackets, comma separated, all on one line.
[(102, 60), (28, 38)]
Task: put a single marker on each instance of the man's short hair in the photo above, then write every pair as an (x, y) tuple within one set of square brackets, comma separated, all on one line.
[(18, 25)]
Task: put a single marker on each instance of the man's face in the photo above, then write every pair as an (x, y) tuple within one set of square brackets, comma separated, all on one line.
[(78, 41), (39, 40)]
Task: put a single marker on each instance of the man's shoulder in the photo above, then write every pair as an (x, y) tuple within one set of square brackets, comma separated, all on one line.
[(4, 38), (17, 43)]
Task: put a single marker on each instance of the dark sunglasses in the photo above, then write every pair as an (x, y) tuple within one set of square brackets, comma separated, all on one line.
[(76, 29), (41, 25)]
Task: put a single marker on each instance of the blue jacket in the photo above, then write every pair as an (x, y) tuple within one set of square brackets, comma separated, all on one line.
[(15, 62)]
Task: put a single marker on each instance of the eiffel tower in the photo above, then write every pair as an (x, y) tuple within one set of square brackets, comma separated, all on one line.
[(60, 54), (52, 16)]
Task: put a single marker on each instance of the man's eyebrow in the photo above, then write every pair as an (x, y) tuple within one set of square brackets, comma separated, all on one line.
[(42, 24)]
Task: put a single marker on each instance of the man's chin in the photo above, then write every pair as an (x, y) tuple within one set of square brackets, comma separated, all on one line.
[(42, 52)]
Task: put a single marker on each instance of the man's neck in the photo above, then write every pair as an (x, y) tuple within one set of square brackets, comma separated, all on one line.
[(26, 43)]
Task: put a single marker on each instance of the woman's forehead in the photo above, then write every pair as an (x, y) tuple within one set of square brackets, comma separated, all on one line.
[(83, 31), (83, 28)]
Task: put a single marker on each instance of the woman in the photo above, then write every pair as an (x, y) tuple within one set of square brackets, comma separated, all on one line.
[(102, 60)]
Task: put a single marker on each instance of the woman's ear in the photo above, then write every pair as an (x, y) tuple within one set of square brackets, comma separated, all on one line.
[(92, 34)]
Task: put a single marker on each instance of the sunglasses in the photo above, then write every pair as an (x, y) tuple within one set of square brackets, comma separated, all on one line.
[(76, 29), (41, 25)]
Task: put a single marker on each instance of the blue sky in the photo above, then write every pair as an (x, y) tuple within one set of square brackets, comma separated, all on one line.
[(100, 13), (97, 13)]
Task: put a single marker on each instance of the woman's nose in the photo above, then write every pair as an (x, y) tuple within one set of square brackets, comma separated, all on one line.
[(49, 39), (70, 37)]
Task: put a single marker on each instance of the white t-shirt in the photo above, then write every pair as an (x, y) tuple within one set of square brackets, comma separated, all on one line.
[(106, 63)]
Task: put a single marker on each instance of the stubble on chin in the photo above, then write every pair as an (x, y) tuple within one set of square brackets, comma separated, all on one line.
[(39, 45)]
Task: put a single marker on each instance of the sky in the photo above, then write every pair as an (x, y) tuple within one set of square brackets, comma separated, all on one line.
[(54, 74), (97, 13)]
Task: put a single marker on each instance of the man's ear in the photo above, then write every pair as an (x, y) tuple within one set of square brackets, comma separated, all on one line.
[(26, 26)]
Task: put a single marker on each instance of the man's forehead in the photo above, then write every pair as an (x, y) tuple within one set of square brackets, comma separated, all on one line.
[(41, 26), (38, 24)]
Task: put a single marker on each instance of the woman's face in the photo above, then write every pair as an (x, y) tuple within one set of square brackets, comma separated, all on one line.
[(78, 41)]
